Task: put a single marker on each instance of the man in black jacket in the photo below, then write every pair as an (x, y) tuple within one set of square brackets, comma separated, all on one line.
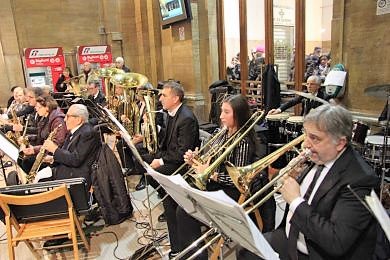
[(326, 218), (181, 133), (313, 84), (77, 154), (94, 93)]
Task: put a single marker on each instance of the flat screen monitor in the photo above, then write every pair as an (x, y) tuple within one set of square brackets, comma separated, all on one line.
[(172, 11)]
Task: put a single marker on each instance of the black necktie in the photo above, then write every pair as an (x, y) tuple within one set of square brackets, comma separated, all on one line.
[(294, 232)]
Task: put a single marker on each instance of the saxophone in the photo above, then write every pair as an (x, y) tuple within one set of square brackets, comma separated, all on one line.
[(38, 160), (14, 136)]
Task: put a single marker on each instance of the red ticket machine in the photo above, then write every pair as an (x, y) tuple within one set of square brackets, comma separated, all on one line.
[(43, 66), (98, 55)]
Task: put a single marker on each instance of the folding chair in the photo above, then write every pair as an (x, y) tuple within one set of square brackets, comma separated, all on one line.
[(50, 227)]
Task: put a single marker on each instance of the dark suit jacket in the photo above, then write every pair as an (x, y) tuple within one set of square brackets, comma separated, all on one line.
[(336, 225), (307, 104), (100, 99), (77, 155), (184, 136)]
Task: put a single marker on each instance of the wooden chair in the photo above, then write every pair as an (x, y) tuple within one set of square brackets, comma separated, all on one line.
[(49, 228)]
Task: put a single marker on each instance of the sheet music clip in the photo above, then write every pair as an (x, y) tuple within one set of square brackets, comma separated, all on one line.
[(225, 214)]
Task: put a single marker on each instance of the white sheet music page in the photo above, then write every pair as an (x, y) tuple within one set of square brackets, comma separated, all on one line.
[(230, 217), (178, 188), (9, 148), (379, 212)]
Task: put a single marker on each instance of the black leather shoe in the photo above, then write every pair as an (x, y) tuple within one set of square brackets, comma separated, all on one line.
[(140, 185), (94, 215), (55, 242), (162, 218)]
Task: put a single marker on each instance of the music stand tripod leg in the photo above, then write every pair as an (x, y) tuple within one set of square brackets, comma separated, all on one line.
[(3, 170)]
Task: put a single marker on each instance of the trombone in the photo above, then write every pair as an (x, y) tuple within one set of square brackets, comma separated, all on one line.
[(200, 180), (243, 176)]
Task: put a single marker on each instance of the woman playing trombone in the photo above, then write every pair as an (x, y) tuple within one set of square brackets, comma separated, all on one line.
[(234, 114)]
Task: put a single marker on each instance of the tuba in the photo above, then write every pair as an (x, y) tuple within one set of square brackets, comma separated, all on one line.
[(150, 141), (130, 82), (38, 160)]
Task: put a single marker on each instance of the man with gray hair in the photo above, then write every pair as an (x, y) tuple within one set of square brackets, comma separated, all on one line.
[(313, 85), (326, 218), (77, 154), (120, 64)]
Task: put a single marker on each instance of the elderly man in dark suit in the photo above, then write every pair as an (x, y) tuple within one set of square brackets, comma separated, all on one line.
[(326, 219), (313, 84), (79, 150)]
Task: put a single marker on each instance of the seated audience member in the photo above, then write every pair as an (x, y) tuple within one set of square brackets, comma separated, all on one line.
[(326, 218), (120, 64)]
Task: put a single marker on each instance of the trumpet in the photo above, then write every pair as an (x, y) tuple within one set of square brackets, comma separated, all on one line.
[(291, 166)]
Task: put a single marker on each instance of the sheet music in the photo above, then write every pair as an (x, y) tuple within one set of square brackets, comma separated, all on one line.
[(379, 212), (217, 208), (231, 218), (177, 188), (9, 148)]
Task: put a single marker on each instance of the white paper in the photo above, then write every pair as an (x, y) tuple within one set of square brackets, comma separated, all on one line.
[(379, 212), (42, 174), (9, 148), (335, 78), (217, 208), (231, 218)]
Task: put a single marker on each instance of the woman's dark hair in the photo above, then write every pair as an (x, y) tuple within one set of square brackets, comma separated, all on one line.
[(47, 101), (241, 114), (240, 106)]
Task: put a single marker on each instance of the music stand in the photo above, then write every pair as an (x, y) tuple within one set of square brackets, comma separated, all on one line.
[(126, 136), (10, 149), (224, 214)]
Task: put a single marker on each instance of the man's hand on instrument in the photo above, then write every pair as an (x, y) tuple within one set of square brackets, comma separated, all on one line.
[(274, 111), (290, 189), (48, 159), (155, 163), (50, 146)]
